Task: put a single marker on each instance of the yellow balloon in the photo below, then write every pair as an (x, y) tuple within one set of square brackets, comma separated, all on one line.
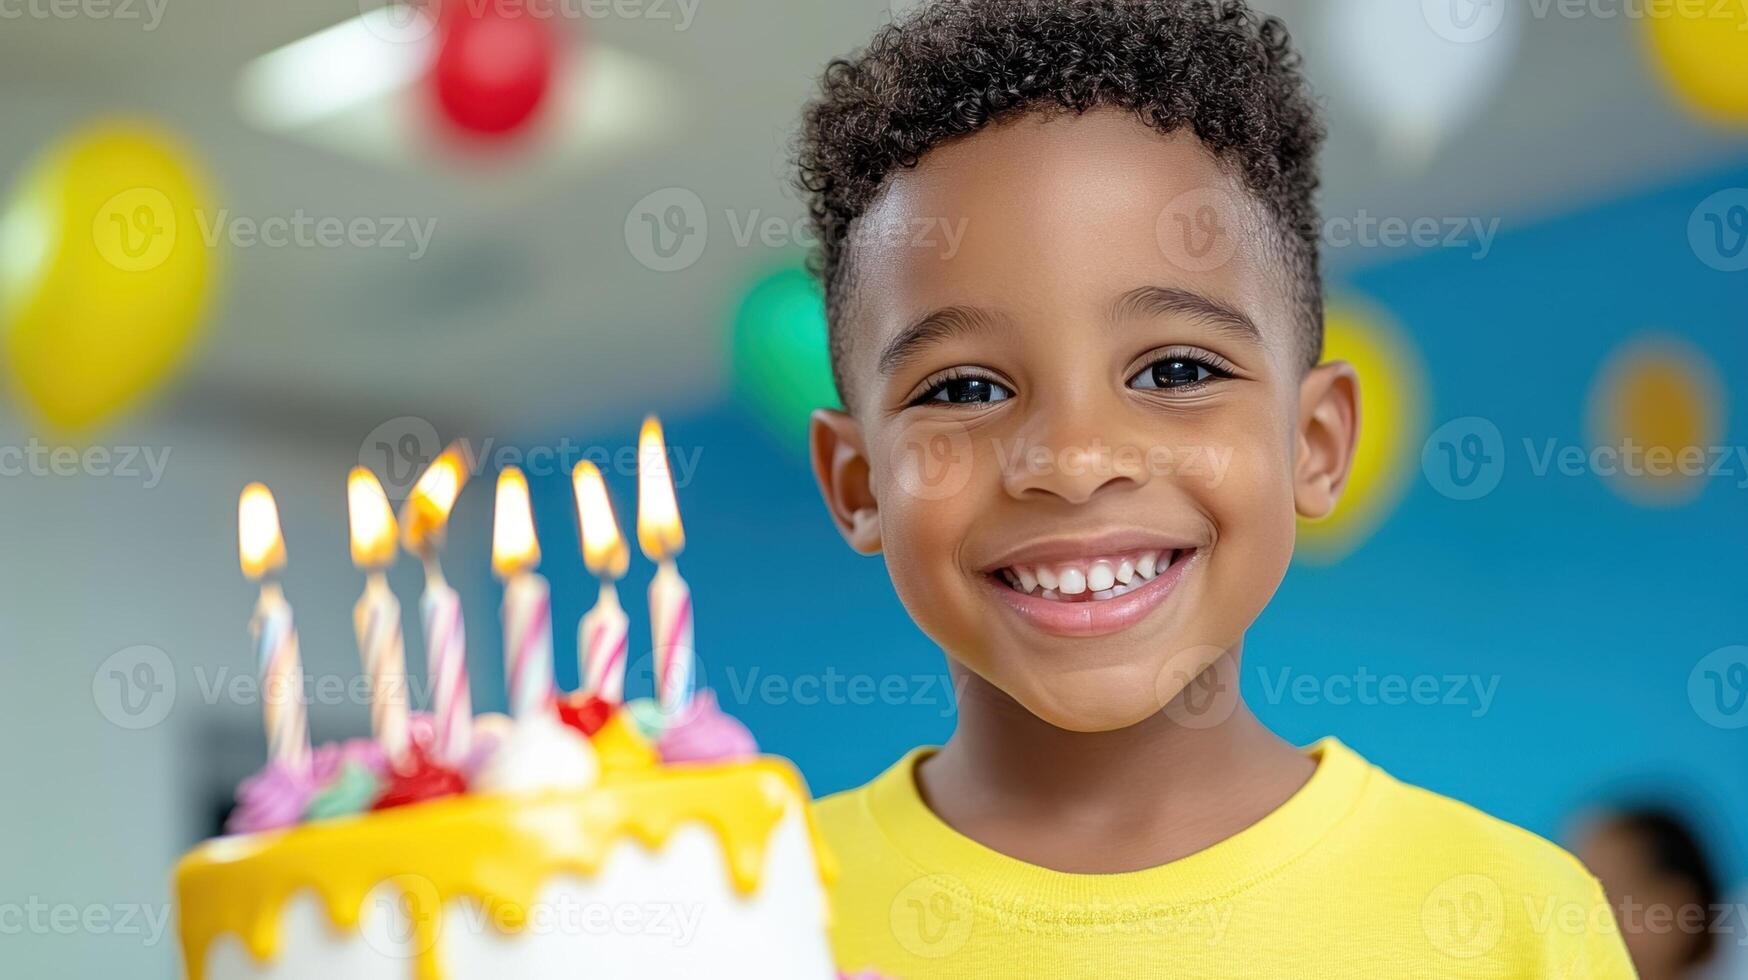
[(1702, 50), (1392, 420), (105, 275)]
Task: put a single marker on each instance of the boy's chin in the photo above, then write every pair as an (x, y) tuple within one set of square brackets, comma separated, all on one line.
[(1093, 708), (1196, 688)]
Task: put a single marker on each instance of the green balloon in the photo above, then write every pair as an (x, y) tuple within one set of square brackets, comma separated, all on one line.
[(782, 363)]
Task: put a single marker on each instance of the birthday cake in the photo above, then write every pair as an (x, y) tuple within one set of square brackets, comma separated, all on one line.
[(579, 836)]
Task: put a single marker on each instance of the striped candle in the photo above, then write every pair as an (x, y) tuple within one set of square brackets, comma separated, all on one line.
[(603, 636), (377, 620), (670, 613), (424, 520), (661, 536), (527, 599), (446, 661), (288, 735), (261, 553), (528, 644), (377, 617)]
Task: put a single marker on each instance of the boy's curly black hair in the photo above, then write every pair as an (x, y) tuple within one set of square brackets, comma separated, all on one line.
[(954, 66)]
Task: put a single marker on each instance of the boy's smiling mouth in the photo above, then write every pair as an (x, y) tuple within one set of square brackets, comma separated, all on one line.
[(1089, 579), (1090, 589)]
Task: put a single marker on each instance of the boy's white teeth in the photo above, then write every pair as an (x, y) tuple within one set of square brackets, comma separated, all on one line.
[(1104, 578), (1101, 576), (1073, 581)]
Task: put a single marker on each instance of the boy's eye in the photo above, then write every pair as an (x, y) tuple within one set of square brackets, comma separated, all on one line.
[(969, 390), (1174, 372)]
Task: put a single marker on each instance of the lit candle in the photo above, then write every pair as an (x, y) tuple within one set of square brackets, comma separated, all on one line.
[(424, 519), (670, 600), (377, 617), (602, 635), (527, 599), (261, 549)]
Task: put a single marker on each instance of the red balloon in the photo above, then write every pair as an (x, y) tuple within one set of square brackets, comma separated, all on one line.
[(493, 66)]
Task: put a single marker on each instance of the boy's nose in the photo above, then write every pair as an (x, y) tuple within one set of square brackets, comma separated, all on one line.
[(1072, 465)]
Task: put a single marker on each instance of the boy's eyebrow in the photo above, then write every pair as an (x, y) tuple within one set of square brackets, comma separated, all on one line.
[(934, 328), (1169, 301)]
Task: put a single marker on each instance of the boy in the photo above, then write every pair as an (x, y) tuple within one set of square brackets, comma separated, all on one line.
[(1070, 259)]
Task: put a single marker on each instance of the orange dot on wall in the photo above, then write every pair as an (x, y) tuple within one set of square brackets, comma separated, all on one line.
[(1655, 410)]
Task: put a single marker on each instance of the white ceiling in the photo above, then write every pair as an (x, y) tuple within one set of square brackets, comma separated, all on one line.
[(529, 310)]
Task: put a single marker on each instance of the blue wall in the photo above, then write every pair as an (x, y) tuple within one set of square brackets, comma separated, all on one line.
[(1589, 612)]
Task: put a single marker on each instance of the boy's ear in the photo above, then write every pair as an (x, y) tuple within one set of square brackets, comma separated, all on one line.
[(840, 464), (1329, 429)]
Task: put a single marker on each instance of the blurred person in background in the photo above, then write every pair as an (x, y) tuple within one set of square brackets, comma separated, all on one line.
[(1661, 882)]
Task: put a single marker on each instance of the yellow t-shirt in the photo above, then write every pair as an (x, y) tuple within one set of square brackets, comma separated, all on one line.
[(1356, 876)]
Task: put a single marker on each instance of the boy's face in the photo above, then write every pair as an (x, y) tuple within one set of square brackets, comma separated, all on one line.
[(1079, 425)]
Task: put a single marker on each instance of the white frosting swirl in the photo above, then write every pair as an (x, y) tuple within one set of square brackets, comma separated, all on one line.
[(539, 753)]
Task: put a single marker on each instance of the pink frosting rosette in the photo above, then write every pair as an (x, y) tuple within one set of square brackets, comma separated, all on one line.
[(704, 733), (271, 799), (280, 795)]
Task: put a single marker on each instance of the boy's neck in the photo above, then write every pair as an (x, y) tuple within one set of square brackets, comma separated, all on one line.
[(1149, 794)]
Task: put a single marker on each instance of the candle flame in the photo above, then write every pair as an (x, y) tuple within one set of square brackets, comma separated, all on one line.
[(426, 512), (604, 549), (372, 521), (514, 547), (658, 515), (260, 545)]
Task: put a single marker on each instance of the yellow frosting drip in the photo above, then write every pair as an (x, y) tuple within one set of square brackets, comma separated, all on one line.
[(498, 850)]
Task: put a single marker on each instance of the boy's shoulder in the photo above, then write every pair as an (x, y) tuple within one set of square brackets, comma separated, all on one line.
[(848, 810), (1438, 833)]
